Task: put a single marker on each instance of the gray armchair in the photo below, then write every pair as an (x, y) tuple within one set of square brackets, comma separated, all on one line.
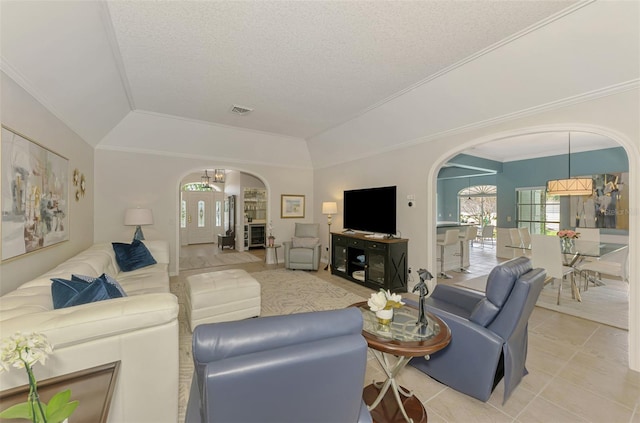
[(306, 367), (303, 251), (488, 333)]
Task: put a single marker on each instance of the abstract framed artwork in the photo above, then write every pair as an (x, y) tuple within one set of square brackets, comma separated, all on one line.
[(291, 206), (607, 207), (34, 193)]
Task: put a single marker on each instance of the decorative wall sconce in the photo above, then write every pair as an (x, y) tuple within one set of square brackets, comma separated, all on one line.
[(80, 183)]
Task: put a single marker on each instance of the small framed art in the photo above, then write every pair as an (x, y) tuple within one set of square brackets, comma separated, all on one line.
[(291, 206)]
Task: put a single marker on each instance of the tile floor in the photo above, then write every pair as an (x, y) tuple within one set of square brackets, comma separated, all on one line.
[(577, 369)]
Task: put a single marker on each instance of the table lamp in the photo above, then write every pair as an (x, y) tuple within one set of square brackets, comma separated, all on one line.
[(329, 208), (137, 218)]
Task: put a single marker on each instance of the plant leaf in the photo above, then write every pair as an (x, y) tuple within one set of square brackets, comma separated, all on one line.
[(59, 399), (18, 411), (58, 415)]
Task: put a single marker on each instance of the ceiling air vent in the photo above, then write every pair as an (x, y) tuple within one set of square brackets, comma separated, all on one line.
[(240, 110)]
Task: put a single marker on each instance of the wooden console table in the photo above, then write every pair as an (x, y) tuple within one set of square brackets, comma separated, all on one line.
[(373, 262), (93, 388)]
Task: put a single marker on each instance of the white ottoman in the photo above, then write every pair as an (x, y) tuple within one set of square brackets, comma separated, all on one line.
[(221, 297)]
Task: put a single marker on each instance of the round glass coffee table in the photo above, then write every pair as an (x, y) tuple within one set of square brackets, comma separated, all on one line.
[(403, 339)]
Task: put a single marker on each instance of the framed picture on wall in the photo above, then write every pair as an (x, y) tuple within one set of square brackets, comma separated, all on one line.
[(291, 206), (35, 193)]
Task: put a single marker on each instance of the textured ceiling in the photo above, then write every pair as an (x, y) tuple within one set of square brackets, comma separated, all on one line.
[(304, 66)]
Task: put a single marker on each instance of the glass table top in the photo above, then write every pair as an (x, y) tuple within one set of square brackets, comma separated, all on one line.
[(403, 327)]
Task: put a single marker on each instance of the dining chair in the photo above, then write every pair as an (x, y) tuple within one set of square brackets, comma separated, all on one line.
[(450, 238), (514, 235), (546, 253), (589, 234), (613, 264), (588, 242), (487, 233), (525, 240)]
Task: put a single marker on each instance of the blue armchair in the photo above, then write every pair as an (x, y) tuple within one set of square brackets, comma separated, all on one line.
[(306, 367), (488, 332)]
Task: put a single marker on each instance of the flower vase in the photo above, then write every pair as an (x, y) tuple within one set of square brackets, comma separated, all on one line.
[(271, 241), (384, 316), (567, 245)]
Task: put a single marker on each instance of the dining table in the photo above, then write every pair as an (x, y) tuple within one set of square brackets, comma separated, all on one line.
[(575, 252)]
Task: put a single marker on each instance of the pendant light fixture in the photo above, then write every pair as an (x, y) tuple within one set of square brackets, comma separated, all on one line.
[(570, 186), (218, 175), (206, 179)]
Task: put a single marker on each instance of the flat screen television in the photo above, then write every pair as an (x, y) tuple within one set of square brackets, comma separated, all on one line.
[(371, 210)]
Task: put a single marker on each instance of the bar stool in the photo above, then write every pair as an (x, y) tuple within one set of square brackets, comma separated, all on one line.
[(469, 235), (450, 238)]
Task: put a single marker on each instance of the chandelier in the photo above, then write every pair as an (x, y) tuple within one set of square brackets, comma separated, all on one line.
[(570, 186), (218, 177)]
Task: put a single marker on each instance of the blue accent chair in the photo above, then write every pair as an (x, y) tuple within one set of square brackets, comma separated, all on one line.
[(306, 367), (488, 332)]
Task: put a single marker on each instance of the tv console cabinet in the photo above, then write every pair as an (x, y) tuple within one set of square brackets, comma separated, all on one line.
[(373, 262)]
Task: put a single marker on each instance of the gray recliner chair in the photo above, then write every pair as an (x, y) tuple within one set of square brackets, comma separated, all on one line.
[(306, 367), (303, 251), (488, 332)]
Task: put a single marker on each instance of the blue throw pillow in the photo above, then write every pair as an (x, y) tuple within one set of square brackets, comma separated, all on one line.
[(68, 293), (113, 287), (132, 256)]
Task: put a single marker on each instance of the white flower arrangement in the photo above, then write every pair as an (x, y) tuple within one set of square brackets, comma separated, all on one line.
[(22, 351), (384, 300)]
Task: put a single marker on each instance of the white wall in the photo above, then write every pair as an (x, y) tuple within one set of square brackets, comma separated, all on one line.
[(22, 113)]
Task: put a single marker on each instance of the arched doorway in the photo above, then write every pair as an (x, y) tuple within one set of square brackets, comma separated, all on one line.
[(634, 202), (233, 209)]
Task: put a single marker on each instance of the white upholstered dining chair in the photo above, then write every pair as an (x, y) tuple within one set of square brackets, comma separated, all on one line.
[(546, 253)]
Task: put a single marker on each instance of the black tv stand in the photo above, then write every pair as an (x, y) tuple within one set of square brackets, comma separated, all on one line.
[(373, 262)]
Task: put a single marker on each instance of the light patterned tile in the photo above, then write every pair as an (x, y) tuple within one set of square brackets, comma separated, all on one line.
[(456, 407), (566, 329), (604, 377), (543, 411), (548, 355), (585, 403), (519, 399), (609, 343)]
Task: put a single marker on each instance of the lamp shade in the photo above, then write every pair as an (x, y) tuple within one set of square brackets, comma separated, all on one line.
[(329, 207), (571, 186), (136, 217)]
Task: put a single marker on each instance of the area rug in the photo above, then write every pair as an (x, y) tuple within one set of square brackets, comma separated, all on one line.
[(283, 292), (213, 260), (607, 304)]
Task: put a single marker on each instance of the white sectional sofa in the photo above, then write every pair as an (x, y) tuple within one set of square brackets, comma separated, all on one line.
[(140, 330)]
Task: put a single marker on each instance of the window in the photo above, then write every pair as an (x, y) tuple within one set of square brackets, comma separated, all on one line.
[(183, 214), (196, 186), (537, 211), (218, 213), (201, 214), (478, 205)]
